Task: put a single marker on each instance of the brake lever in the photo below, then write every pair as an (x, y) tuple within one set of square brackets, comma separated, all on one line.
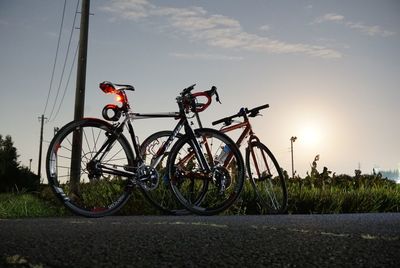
[(228, 122), (255, 114), (217, 97), (214, 89), (187, 90)]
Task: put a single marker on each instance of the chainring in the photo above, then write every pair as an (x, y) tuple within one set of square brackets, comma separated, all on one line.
[(148, 177)]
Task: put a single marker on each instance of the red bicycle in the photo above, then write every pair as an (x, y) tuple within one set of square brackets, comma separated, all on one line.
[(263, 169)]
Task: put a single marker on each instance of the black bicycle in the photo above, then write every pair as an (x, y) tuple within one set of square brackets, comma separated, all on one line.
[(264, 172), (156, 149), (92, 167)]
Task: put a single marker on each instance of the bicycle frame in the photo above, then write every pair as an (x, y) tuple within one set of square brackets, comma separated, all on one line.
[(248, 131), (129, 118)]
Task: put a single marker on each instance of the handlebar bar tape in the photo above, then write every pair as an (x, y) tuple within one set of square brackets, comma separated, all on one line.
[(225, 119), (253, 112)]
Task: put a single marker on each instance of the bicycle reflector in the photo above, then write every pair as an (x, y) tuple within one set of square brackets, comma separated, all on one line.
[(107, 87)]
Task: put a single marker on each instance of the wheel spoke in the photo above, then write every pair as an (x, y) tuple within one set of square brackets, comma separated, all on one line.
[(199, 190), (99, 193)]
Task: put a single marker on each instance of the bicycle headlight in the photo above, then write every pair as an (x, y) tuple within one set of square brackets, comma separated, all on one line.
[(111, 112)]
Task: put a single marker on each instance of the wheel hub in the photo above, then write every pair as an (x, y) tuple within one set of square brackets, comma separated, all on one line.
[(94, 170)]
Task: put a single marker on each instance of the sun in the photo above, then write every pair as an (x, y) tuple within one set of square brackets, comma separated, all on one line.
[(310, 135)]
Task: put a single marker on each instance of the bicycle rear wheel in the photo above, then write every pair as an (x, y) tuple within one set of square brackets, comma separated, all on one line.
[(267, 178), (161, 197), (93, 192), (200, 191)]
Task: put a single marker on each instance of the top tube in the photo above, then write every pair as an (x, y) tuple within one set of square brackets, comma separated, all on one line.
[(137, 116)]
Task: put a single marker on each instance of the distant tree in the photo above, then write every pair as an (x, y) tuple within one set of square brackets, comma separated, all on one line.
[(8, 154), (12, 175)]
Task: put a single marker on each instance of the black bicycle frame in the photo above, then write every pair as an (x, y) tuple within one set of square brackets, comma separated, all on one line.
[(183, 122)]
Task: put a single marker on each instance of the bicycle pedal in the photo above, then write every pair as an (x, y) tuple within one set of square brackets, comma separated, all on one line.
[(264, 178)]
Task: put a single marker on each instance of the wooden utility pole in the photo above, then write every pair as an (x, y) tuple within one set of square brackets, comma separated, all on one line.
[(82, 56), (41, 119), (80, 95)]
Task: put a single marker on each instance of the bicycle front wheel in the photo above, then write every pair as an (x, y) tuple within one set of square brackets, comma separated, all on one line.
[(266, 178), (154, 154), (80, 176), (202, 191)]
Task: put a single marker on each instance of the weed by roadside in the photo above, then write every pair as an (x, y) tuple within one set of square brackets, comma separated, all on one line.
[(22, 205)]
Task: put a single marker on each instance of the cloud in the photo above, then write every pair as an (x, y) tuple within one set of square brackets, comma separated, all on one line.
[(359, 26), (330, 17), (216, 30), (370, 30), (205, 56), (134, 9), (265, 28)]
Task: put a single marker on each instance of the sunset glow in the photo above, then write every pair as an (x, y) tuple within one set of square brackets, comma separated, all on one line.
[(310, 135)]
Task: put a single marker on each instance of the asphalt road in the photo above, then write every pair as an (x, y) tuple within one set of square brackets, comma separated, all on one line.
[(346, 240)]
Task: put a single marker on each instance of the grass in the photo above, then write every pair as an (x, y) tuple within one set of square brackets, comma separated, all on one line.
[(306, 196), (339, 200), (27, 205)]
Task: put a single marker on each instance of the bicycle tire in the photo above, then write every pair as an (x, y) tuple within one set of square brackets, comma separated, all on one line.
[(269, 176), (96, 194), (201, 193), (162, 197)]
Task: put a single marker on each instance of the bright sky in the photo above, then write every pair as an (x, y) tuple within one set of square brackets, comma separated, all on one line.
[(329, 70)]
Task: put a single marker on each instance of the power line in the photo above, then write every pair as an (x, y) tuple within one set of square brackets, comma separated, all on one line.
[(66, 86), (55, 59), (63, 70)]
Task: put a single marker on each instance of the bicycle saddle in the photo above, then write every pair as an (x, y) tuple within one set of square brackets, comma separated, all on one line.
[(108, 87)]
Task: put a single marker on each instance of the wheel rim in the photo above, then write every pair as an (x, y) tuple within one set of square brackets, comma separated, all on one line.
[(206, 195), (266, 179), (97, 192)]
